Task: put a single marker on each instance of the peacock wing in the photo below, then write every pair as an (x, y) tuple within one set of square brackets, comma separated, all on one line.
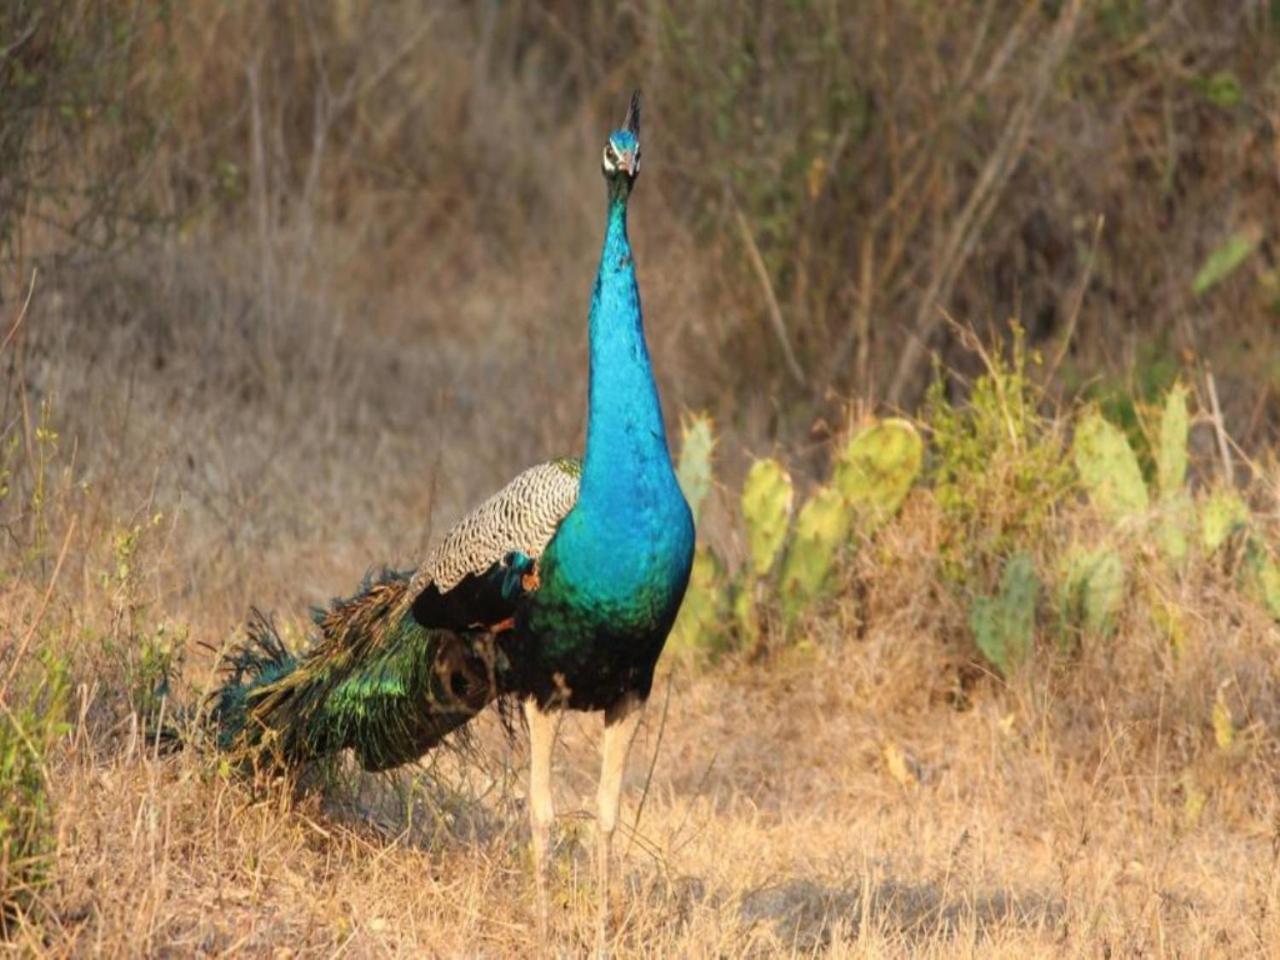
[(465, 581)]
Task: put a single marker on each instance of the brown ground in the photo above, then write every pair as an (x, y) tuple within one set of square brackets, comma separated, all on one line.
[(773, 823), (356, 305)]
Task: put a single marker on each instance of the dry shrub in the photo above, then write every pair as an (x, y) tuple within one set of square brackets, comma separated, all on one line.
[(358, 301)]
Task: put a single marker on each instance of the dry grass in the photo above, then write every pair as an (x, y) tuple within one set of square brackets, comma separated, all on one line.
[(863, 792), (367, 309), (771, 825)]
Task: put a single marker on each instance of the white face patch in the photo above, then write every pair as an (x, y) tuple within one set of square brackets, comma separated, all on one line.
[(610, 158)]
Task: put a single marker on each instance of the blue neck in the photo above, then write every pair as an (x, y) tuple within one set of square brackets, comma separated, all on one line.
[(626, 439)]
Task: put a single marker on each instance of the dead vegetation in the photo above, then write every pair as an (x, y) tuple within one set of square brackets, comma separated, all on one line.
[(286, 286)]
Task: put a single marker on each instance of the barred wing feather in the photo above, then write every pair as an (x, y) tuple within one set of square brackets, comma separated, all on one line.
[(453, 587)]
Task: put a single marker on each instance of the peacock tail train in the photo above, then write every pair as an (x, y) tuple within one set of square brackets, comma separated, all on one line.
[(374, 681), (408, 659)]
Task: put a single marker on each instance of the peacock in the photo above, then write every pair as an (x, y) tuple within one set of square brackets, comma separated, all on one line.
[(557, 592)]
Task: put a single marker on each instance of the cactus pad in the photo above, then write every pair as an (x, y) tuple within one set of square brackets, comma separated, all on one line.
[(1004, 625), (697, 446), (700, 625), (1108, 469), (822, 526), (878, 466), (766, 507), (1171, 455), (1221, 515), (1094, 591)]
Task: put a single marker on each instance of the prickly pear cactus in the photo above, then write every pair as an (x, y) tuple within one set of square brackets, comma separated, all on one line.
[(876, 469), (766, 508), (697, 447), (1103, 592), (1261, 575), (700, 627), (1176, 512), (1004, 625), (1171, 455), (1177, 517), (746, 614), (821, 528), (1221, 515), (1108, 469), (1093, 591)]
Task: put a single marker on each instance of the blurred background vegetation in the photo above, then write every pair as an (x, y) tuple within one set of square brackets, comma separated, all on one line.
[(331, 258), (824, 181)]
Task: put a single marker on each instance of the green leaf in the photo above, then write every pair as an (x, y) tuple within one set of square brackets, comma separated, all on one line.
[(766, 507), (1224, 261), (1222, 89), (1108, 468)]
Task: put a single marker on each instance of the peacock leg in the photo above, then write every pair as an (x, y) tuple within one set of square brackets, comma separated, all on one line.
[(620, 723), (543, 727)]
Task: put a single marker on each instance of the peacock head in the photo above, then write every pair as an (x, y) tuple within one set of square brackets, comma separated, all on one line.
[(621, 158)]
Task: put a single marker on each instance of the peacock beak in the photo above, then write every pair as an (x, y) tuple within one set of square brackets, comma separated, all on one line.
[(629, 164)]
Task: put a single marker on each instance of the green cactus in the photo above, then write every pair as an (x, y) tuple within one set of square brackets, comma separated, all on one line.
[(876, 469), (1261, 575), (766, 507), (821, 527), (697, 447), (1004, 625), (1176, 510), (1093, 591), (1177, 516), (700, 626), (1222, 514), (1108, 468), (1171, 455), (745, 612)]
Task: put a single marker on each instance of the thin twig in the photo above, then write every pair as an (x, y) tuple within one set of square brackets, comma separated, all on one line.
[(766, 286), (44, 604), (653, 762), (1219, 427), (22, 314), (987, 191), (1078, 300)]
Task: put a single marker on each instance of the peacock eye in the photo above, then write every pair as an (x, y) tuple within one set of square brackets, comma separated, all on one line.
[(610, 156)]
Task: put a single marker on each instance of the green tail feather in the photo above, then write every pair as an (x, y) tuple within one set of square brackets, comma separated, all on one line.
[(374, 681)]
